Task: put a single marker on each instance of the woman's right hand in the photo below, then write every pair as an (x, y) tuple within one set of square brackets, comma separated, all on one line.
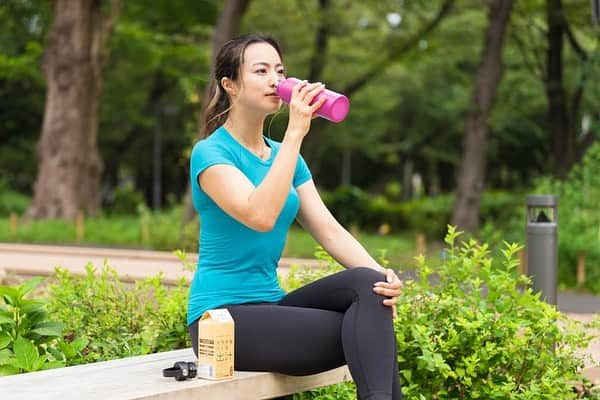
[(301, 111)]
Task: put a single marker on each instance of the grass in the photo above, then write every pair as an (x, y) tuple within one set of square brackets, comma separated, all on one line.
[(399, 248), (164, 233)]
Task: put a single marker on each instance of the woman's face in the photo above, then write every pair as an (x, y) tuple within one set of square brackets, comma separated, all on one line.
[(260, 71)]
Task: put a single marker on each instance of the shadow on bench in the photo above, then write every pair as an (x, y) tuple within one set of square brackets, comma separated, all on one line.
[(141, 378)]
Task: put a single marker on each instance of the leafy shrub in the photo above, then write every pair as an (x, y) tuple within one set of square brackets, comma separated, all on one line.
[(430, 215), (11, 201), (579, 218), (578, 222), (348, 204), (119, 319), (28, 338), (125, 200), (475, 334)]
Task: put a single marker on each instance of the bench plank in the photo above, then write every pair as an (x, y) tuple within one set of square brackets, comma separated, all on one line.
[(141, 378)]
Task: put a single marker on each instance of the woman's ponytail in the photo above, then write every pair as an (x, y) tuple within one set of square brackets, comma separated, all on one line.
[(215, 113)]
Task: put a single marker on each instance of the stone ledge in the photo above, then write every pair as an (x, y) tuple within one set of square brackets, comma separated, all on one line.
[(141, 378)]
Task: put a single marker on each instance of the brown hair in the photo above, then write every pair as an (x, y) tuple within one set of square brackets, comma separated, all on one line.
[(227, 64)]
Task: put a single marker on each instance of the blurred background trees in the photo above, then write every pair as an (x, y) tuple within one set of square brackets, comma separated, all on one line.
[(409, 68)]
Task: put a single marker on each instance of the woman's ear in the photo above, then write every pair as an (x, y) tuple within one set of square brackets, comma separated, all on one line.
[(229, 86)]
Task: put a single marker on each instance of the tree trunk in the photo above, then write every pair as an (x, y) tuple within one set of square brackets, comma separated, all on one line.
[(563, 142), (318, 58), (69, 163), (489, 72), (227, 28)]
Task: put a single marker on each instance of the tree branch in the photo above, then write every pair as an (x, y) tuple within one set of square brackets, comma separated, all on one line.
[(318, 59), (532, 63), (393, 55), (573, 40)]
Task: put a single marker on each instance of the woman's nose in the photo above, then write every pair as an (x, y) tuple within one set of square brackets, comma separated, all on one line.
[(273, 79)]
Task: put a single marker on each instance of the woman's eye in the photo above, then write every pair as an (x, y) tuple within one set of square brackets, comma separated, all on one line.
[(261, 71), (281, 72)]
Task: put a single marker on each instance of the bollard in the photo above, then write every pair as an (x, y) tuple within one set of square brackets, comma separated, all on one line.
[(421, 244), (80, 225), (542, 245), (14, 221)]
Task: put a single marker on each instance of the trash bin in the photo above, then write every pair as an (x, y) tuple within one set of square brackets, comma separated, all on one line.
[(542, 245)]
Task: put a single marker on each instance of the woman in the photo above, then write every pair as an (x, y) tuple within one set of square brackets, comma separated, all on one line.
[(248, 189)]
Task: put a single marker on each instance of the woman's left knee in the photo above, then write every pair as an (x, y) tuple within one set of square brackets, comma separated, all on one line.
[(366, 277)]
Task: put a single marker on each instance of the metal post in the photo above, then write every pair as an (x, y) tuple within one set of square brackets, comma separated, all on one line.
[(157, 161), (542, 245)]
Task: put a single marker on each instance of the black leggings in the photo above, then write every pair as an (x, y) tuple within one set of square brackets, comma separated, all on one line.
[(334, 321)]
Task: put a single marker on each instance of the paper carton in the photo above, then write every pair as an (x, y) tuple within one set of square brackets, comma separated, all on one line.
[(215, 345)]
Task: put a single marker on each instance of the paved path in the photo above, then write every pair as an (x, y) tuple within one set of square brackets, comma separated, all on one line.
[(32, 260)]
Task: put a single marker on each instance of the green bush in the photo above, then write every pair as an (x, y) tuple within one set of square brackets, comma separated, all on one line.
[(119, 319), (11, 201), (430, 215), (348, 204), (476, 334), (125, 200), (579, 218), (28, 337), (578, 222)]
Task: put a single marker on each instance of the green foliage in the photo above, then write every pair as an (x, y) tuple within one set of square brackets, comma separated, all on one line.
[(430, 215), (339, 391), (579, 218), (22, 88), (165, 233), (160, 230), (475, 334), (126, 200), (11, 201), (28, 337), (113, 319)]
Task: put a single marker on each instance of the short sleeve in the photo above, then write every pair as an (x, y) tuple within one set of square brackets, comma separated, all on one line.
[(205, 155), (302, 173)]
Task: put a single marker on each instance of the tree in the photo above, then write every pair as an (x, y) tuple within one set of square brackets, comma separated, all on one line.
[(563, 117), (69, 163), (471, 178)]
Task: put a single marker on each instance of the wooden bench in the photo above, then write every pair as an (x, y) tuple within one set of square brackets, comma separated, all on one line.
[(141, 378)]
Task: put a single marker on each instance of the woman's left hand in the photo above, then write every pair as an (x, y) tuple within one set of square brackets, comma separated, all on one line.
[(392, 289)]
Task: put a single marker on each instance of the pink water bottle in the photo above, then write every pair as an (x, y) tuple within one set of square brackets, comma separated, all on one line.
[(335, 108)]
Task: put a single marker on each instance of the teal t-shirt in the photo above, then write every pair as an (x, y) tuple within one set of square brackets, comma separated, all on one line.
[(236, 264)]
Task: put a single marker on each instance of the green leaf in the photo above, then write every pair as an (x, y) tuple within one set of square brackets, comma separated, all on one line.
[(8, 370), (5, 319), (26, 353), (4, 339), (10, 295), (36, 317), (49, 329), (29, 285), (80, 343), (6, 357), (39, 362), (53, 364), (55, 353), (32, 306)]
